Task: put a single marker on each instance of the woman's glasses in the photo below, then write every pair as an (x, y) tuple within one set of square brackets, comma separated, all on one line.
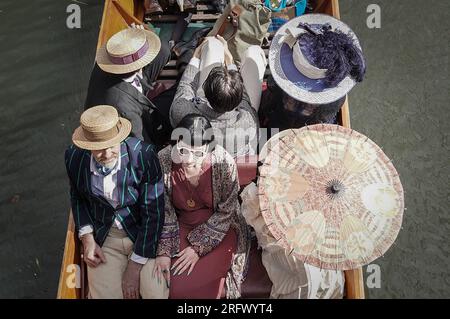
[(186, 151)]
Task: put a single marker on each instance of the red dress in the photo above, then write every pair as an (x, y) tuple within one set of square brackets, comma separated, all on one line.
[(208, 276)]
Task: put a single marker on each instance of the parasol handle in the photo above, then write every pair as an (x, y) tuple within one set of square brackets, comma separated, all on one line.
[(335, 188)]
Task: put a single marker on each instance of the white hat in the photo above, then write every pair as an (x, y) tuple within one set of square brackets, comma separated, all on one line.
[(292, 69)]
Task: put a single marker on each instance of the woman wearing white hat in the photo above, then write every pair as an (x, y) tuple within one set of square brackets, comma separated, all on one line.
[(315, 60)]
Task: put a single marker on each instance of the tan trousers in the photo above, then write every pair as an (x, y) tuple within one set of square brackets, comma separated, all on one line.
[(105, 281)]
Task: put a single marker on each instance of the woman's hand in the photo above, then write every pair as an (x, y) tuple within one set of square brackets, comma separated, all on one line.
[(136, 26), (93, 254), (131, 280), (187, 260), (162, 266), (228, 57)]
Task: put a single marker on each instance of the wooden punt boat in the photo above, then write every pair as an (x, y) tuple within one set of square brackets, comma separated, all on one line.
[(117, 15)]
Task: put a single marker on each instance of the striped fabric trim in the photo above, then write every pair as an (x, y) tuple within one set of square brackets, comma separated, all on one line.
[(156, 167), (71, 157), (134, 175), (137, 144), (146, 223), (157, 222), (129, 234), (142, 161), (103, 220), (132, 195), (90, 218), (125, 227), (78, 175), (78, 213), (86, 178), (131, 213), (123, 186)]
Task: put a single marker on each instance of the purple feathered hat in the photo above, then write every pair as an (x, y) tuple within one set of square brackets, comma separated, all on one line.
[(316, 59)]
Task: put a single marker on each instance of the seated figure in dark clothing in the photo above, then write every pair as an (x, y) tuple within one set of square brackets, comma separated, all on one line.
[(279, 110), (124, 76)]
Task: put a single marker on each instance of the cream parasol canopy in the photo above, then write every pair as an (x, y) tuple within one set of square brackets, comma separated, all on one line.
[(330, 196)]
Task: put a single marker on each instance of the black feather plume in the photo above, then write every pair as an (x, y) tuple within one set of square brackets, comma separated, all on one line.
[(334, 51)]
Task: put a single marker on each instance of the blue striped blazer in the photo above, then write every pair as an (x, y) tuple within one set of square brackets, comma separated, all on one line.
[(141, 194)]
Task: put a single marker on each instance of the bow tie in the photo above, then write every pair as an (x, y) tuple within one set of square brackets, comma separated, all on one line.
[(103, 170), (137, 82)]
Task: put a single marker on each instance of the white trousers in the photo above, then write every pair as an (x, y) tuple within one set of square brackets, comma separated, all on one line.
[(252, 70), (105, 280)]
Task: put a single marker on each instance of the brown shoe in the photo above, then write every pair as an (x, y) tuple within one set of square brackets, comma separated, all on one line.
[(152, 7)]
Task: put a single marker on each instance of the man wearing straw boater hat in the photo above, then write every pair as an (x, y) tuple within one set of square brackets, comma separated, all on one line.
[(116, 192), (124, 75)]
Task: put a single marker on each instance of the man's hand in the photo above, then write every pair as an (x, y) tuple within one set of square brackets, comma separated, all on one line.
[(162, 266), (187, 260), (131, 279), (93, 254)]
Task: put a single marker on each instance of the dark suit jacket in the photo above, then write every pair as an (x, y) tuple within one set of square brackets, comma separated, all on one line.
[(110, 89), (141, 194)]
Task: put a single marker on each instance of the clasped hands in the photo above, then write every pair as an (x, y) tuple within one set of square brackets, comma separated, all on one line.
[(228, 57)]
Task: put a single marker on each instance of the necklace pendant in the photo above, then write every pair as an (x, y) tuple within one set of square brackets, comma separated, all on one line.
[(190, 203)]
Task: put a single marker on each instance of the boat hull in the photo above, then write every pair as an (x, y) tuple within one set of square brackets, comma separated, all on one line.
[(117, 15)]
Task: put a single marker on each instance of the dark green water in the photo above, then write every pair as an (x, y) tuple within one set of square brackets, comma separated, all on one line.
[(402, 105)]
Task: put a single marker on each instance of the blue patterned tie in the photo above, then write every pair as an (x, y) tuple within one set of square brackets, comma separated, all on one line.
[(102, 169)]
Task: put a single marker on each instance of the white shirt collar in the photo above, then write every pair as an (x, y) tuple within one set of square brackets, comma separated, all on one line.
[(131, 78)]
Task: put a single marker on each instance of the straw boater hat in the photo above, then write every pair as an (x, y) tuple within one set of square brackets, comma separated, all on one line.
[(316, 59), (101, 127), (128, 51)]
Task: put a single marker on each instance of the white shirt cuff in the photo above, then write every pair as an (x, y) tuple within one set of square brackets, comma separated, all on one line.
[(232, 67), (195, 62), (138, 259), (85, 230)]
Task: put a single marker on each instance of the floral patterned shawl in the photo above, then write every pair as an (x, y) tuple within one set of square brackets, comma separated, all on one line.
[(207, 236)]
